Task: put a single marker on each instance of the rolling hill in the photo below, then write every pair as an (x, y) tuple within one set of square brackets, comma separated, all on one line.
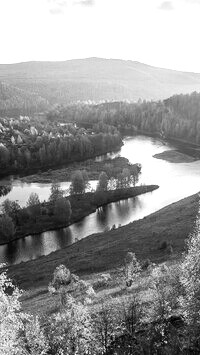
[(93, 79)]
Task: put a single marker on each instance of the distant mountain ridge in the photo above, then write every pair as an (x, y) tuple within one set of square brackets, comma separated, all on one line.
[(94, 79)]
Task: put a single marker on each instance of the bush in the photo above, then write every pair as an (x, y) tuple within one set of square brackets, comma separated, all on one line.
[(7, 228), (62, 210), (102, 281)]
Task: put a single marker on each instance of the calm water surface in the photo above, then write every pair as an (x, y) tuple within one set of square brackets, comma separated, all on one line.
[(176, 181)]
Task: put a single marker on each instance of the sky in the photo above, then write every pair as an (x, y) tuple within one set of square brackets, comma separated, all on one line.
[(156, 32)]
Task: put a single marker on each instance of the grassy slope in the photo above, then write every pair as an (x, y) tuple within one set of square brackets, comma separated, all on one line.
[(106, 251)]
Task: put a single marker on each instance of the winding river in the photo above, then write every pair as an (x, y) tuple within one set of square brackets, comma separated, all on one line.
[(176, 181)]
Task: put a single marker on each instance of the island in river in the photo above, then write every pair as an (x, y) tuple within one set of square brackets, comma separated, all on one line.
[(174, 156), (81, 205), (92, 167)]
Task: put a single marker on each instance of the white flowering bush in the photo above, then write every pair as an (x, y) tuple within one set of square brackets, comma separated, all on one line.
[(102, 281), (69, 285), (20, 334), (107, 322), (70, 332), (34, 337), (160, 284), (132, 268)]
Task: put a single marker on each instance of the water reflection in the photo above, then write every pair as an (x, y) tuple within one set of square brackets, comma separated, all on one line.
[(176, 181)]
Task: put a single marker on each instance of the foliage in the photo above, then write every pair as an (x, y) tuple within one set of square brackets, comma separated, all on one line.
[(61, 277), (5, 189), (7, 228), (79, 182), (103, 182), (62, 210), (33, 204), (35, 143), (107, 323), (71, 332), (11, 209), (102, 281), (189, 298), (132, 268), (56, 192), (19, 333), (67, 284)]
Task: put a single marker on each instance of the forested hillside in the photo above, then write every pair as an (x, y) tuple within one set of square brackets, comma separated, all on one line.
[(177, 117), (15, 101), (94, 79)]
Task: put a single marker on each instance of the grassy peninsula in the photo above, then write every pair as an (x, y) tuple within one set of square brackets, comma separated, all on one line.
[(92, 167), (81, 205)]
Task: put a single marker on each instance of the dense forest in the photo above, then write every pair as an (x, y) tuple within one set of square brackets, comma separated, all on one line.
[(177, 117), (32, 144), (16, 101)]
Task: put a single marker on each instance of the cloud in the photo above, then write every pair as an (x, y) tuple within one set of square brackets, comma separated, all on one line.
[(57, 7), (166, 6), (85, 2), (193, 1)]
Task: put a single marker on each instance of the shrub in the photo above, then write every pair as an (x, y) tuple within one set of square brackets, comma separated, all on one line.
[(102, 281), (7, 228)]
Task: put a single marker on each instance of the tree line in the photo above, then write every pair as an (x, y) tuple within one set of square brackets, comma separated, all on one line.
[(176, 117)]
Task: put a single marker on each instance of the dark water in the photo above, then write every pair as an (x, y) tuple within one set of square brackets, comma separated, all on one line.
[(176, 181)]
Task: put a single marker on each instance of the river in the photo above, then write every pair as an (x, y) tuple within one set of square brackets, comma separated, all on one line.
[(176, 181)]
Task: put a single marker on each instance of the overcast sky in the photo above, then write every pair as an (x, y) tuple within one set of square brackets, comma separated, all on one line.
[(156, 32)]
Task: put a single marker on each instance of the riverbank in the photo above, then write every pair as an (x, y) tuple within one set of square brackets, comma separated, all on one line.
[(148, 238), (174, 156), (92, 167), (183, 146), (82, 205)]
